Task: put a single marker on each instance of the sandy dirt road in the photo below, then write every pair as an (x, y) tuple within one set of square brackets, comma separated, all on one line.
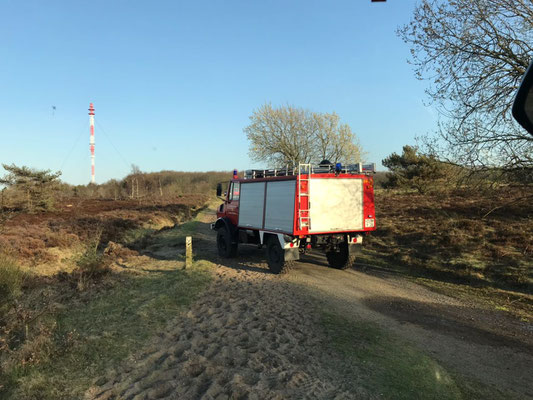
[(251, 335), (486, 345)]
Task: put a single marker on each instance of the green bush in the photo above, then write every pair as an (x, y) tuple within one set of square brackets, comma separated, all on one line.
[(413, 170), (11, 278), (34, 189)]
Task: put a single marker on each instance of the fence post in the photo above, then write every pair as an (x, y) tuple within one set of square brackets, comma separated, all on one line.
[(188, 251)]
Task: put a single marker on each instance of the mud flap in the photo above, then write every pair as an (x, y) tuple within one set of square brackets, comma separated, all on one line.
[(353, 248), (292, 254)]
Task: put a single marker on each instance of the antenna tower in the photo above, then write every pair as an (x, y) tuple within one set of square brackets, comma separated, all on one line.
[(91, 140)]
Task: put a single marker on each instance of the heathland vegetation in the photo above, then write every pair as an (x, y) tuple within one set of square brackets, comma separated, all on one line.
[(62, 274), (455, 223), (66, 284)]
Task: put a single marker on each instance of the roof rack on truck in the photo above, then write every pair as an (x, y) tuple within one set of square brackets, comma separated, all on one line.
[(323, 168)]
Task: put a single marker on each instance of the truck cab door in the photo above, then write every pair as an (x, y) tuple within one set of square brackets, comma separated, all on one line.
[(232, 206)]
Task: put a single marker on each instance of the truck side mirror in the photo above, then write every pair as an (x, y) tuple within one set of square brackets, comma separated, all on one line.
[(523, 102), (219, 189)]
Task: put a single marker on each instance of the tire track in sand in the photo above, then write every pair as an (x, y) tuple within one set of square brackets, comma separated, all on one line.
[(248, 337)]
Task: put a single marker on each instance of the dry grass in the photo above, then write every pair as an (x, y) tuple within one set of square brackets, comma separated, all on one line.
[(59, 338), (483, 239), (33, 239), (11, 279), (52, 333)]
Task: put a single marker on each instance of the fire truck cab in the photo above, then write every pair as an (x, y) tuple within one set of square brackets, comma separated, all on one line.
[(290, 211)]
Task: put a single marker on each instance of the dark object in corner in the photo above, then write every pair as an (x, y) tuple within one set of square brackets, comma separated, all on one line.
[(523, 102)]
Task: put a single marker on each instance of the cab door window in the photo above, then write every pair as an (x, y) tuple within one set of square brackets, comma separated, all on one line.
[(235, 191)]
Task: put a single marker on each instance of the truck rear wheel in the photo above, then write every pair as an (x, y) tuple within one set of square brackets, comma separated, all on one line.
[(276, 257), (225, 247), (341, 259)]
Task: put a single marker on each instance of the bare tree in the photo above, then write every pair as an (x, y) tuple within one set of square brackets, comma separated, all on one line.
[(135, 174), (474, 53), (289, 135)]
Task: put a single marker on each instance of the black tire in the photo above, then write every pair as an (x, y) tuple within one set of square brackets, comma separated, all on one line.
[(225, 248), (341, 259), (276, 257)]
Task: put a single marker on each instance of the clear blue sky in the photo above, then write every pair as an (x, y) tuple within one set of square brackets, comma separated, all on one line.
[(174, 82)]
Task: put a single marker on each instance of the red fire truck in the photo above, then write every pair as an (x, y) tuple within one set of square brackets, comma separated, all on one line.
[(293, 210)]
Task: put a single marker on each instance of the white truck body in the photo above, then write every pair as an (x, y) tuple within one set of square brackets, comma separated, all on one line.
[(336, 205)]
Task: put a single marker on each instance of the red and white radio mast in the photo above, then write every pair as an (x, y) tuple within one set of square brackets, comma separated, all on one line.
[(91, 141)]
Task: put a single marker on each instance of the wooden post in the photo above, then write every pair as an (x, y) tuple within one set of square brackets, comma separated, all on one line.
[(188, 251)]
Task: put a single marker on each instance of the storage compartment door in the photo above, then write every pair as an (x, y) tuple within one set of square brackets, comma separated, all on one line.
[(336, 204), (251, 204), (279, 214)]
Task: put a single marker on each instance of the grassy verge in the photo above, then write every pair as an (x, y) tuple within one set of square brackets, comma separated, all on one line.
[(392, 368), (142, 238), (176, 237), (516, 303), (519, 305), (95, 333)]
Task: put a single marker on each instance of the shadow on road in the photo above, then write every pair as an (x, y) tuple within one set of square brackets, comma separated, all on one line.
[(460, 322)]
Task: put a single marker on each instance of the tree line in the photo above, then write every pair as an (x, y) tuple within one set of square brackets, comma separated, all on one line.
[(33, 190)]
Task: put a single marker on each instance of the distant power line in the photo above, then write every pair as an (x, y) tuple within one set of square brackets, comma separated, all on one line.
[(74, 145), (128, 164)]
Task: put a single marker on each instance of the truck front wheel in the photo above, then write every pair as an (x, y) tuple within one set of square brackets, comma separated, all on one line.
[(276, 257), (225, 246), (341, 259)]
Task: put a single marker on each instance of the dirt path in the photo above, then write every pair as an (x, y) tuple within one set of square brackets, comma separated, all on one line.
[(486, 345), (249, 336)]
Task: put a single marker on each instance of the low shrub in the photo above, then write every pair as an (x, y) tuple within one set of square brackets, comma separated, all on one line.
[(11, 278), (92, 263)]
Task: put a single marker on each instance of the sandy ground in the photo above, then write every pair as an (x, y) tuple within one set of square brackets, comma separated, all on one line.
[(486, 345), (250, 335)]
